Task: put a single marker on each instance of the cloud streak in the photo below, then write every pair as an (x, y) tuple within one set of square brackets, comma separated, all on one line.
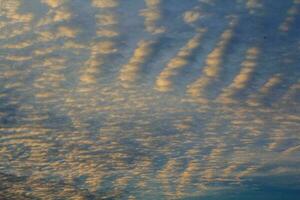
[(182, 59), (212, 69), (241, 80), (152, 16), (130, 71)]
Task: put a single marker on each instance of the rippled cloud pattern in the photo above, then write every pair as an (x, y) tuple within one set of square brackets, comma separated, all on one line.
[(150, 99)]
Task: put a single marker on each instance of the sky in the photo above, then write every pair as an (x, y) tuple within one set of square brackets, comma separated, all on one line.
[(150, 99)]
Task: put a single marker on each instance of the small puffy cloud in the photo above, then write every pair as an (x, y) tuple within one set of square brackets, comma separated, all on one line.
[(52, 3), (105, 3), (65, 31), (191, 16), (109, 33), (104, 47), (107, 19)]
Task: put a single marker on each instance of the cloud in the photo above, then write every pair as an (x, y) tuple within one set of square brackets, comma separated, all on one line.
[(276, 138), (212, 69), (12, 17), (109, 33), (53, 25), (103, 47), (229, 171), (25, 18), (43, 51), (11, 32), (91, 70), (163, 82), (61, 14), (65, 31), (167, 175), (191, 16), (48, 80), (152, 16), (253, 5), (241, 80), (62, 114), (255, 99), (140, 56), (210, 2), (187, 186), (107, 19), (292, 12), (70, 44), (105, 3), (10, 9), (18, 58), (295, 149), (53, 3), (247, 172), (19, 45), (291, 92)]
